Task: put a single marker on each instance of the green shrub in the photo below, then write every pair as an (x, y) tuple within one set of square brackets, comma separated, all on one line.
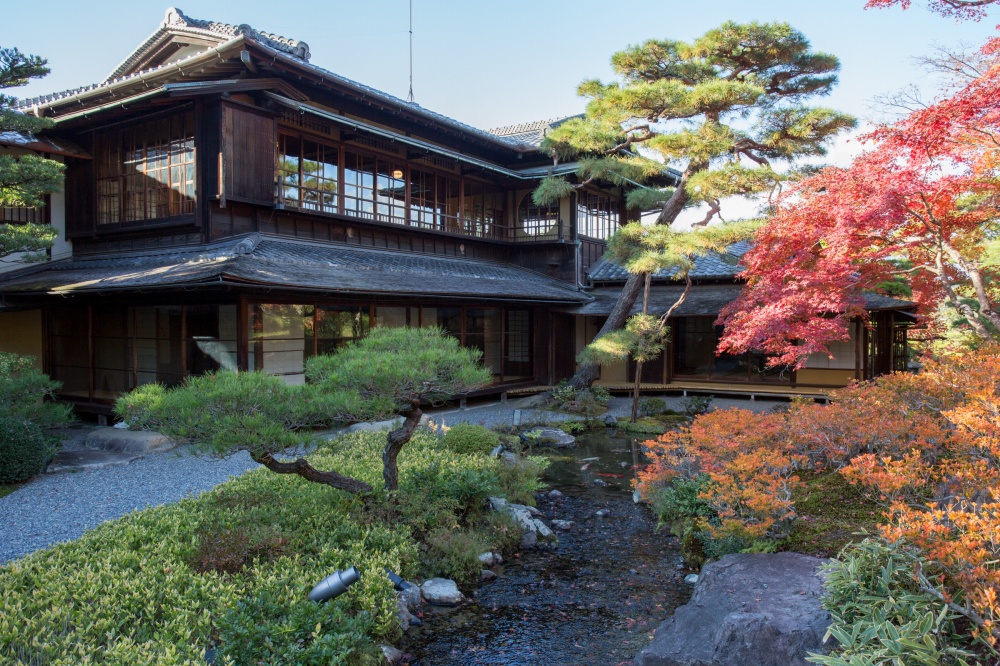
[(589, 402), (678, 500), (881, 616), (25, 392), (24, 449), (467, 438), (455, 554), (519, 481), (652, 406), (695, 405), (126, 592), (291, 632), (645, 426)]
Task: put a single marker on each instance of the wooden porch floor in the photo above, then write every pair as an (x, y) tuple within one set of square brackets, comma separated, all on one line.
[(701, 388)]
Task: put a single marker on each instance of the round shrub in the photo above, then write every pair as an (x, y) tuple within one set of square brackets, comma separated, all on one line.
[(466, 438), (24, 450)]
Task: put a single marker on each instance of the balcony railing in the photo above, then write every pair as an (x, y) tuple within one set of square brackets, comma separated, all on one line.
[(394, 211)]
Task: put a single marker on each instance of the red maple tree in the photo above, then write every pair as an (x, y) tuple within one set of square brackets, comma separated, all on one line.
[(962, 9), (924, 192)]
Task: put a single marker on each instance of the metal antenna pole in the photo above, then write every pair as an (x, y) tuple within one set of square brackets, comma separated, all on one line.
[(409, 98)]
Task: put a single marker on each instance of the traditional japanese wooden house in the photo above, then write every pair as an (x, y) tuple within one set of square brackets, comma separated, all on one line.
[(229, 204)]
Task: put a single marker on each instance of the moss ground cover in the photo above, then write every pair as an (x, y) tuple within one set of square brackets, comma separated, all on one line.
[(230, 569)]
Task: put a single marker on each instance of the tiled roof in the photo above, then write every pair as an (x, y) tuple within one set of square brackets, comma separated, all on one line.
[(176, 20), (529, 133), (275, 263), (703, 300), (714, 266), (42, 144)]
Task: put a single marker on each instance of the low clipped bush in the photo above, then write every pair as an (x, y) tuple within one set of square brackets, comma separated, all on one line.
[(588, 402), (160, 586), (468, 438), (24, 449), (652, 406)]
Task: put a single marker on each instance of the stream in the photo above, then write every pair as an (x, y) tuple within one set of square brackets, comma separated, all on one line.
[(596, 599)]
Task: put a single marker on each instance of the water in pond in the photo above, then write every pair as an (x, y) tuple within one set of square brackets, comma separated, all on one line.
[(594, 600)]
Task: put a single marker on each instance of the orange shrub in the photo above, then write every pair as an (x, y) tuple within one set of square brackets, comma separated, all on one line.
[(748, 465)]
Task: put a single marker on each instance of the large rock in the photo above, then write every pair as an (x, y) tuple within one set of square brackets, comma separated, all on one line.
[(752, 610), (555, 438), (137, 442), (441, 592)]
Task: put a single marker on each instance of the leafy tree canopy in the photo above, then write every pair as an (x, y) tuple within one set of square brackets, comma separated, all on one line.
[(388, 373), (24, 179), (724, 106)]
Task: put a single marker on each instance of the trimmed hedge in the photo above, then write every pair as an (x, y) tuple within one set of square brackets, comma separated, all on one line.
[(141, 590), (24, 449)]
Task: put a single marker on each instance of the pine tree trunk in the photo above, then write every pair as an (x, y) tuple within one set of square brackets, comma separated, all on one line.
[(587, 372), (394, 444), (302, 468)]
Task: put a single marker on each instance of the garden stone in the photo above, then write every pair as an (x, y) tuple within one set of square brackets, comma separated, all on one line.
[(760, 609), (487, 559), (555, 494), (564, 525), (74, 461), (410, 595), (532, 511), (610, 420), (691, 579), (497, 503), (136, 442), (543, 530), (487, 575), (441, 592), (509, 457), (554, 438), (529, 540), (391, 655), (405, 617), (603, 513)]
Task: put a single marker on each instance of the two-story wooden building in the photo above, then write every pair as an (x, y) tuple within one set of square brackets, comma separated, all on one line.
[(229, 204)]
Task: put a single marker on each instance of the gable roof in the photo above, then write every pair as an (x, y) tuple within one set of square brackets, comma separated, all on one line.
[(139, 65), (258, 260), (176, 22)]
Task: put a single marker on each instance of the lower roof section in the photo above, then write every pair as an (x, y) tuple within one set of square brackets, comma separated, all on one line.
[(257, 260), (704, 300)]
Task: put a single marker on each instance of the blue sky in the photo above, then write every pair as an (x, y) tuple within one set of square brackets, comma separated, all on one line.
[(499, 63), (491, 63)]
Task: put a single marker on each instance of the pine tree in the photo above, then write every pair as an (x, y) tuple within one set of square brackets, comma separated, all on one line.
[(24, 179), (723, 108)]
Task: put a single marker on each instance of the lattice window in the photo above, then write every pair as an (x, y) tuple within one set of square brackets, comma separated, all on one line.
[(597, 215), (146, 171)]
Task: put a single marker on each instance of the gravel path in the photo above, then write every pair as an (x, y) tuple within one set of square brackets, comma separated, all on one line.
[(58, 507)]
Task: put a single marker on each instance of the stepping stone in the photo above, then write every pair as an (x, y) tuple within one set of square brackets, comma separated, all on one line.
[(136, 442), (75, 461)]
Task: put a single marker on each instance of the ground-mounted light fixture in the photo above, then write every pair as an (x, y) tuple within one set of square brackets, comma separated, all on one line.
[(335, 585)]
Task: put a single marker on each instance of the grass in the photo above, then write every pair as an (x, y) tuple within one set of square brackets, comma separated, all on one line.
[(831, 514), (8, 488)]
